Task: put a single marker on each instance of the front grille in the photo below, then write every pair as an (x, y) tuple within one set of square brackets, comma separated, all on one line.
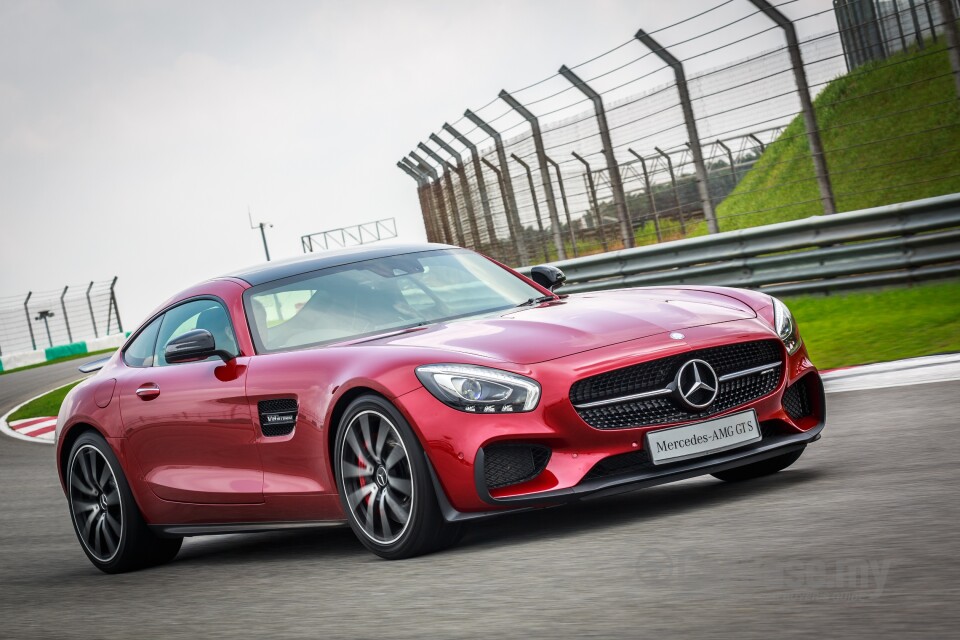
[(277, 417), (796, 401), (506, 464), (657, 374)]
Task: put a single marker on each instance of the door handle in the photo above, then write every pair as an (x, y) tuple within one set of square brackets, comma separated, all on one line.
[(148, 391)]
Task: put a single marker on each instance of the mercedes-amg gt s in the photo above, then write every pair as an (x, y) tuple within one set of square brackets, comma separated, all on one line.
[(405, 390)]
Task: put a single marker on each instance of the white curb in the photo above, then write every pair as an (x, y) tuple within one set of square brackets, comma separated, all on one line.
[(5, 427)]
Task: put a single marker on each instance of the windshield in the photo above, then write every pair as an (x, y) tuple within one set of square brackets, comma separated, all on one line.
[(379, 295)]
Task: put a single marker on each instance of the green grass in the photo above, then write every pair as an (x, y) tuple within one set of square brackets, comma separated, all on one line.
[(877, 326), (63, 359), (45, 406), (901, 113)]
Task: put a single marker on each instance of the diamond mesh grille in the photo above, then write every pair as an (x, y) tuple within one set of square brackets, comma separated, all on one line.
[(654, 375), (506, 464), (796, 401)]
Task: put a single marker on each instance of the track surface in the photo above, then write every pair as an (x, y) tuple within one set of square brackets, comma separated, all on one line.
[(22, 385), (858, 539)]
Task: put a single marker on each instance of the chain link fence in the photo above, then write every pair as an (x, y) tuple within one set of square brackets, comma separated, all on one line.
[(528, 177), (42, 319)]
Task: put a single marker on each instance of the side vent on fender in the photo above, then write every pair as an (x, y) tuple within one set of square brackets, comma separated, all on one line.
[(277, 417)]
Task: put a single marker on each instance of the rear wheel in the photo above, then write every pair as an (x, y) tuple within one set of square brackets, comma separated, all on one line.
[(105, 516), (759, 469), (384, 484)]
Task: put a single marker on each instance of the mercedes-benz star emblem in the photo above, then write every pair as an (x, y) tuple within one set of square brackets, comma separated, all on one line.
[(696, 385)]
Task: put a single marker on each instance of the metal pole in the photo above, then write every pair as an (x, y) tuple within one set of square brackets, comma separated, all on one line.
[(733, 169), (896, 13), (481, 182), (452, 194), (464, 188), (513, 214), (426, 198), (63, 308), (930, 23), (676, 191), (26, 308), (616, 181), (263, 235), (950, 30), (424, 208), (536, 206), (916, 25), (93, 318), (806, 105), (566, 208), (116, 309), (544, 171), (650, 197), (503, 190), (703, 186), (759, 142), (592, 187), (437, 191)]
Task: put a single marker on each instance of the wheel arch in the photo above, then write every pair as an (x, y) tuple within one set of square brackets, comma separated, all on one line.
[(339, 408), (67, 439)]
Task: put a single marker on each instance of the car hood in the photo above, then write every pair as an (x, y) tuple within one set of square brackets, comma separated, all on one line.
[(577, 323)]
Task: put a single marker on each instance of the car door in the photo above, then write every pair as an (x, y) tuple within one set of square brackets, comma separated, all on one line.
[(188, 425)]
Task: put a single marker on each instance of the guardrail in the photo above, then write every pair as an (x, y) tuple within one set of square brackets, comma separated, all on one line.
[(893, 244)]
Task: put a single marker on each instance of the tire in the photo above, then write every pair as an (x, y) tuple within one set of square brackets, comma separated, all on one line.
[(384, 483), (109, 526), (760, 469)]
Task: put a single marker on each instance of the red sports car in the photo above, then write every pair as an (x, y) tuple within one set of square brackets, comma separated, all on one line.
[(408, 389)]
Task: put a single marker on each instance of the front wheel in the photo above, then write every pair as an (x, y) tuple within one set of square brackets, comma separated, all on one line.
[(384, 484), (759, 469), (105, 516)]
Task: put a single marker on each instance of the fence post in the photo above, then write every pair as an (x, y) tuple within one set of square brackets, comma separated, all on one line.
[(454, 206), (733, 169), (566, 207), (116, 307), (616, 182), (649, 189), (703, 186), (424, 207), (592, 187), (26, 309), (536, 205), (903, 39), (930, 23), (676, 191), (950, 30), (63, 308), (93, 318), (806, 105), (481, 182), (506, 182), (437, 190), (464, 188), (544, 172), (503, 196)]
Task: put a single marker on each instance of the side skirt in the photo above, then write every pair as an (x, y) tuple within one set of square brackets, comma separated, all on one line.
[(188, 530)]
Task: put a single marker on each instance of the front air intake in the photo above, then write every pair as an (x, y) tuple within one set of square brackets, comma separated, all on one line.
[(507, 464)]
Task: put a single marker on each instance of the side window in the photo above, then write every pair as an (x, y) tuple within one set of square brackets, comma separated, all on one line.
[(199, 314), (140, 351)]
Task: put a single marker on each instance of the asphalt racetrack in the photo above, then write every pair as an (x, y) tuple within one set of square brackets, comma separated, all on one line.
[(858, 539)]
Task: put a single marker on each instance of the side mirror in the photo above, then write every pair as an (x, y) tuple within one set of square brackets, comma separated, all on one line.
[(547, 276), (194, 346)]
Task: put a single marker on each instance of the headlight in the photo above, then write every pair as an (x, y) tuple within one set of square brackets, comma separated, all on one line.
[(479, 389), (786, 326)]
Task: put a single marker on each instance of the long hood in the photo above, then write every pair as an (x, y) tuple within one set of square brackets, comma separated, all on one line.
[(575, 324)]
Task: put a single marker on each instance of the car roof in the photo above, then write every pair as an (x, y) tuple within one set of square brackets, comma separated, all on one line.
[(270, 271)]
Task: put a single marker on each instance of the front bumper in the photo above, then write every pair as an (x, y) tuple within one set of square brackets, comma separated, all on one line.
[(454, 442)]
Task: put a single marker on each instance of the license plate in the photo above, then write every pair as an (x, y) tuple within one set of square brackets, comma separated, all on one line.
[(703, 438)]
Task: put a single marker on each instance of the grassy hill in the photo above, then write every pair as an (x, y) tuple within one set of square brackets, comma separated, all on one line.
[(891, 131)]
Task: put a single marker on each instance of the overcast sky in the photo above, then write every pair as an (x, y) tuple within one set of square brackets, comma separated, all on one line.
[(135, 134)]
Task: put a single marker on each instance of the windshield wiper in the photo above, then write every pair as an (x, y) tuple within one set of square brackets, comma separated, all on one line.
[(533, 301)]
